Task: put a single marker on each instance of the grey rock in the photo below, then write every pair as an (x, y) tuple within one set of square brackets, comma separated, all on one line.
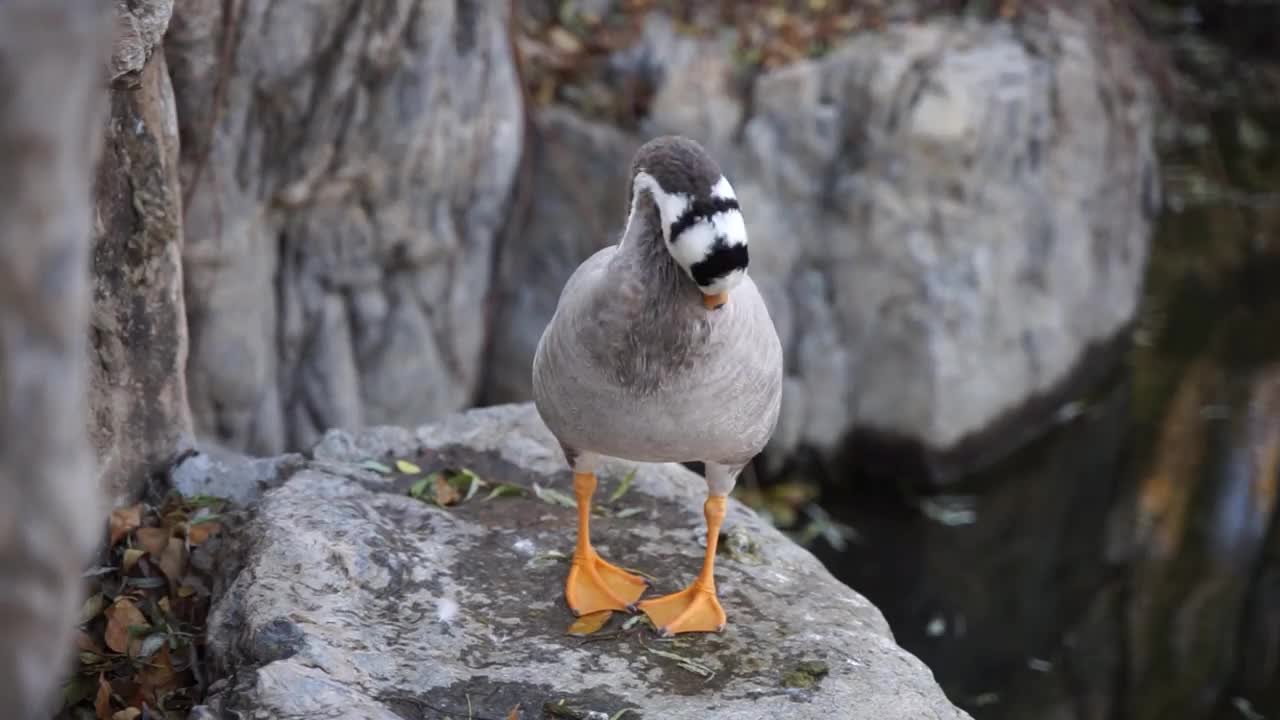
[(579, 179), (139, 417), (51, 512), (347, 167), (947, 219), (354, 599), (139, 27), (224, 473)]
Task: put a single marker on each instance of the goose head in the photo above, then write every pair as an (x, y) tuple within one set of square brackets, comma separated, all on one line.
[(699, 220)]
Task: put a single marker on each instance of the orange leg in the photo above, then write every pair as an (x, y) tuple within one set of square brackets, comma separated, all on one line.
[(694, 609), (593, 584)]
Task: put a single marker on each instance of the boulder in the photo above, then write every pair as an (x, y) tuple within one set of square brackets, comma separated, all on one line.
[(949, 221), (139, 418), (51, 72), (346, 167), (345, 595)]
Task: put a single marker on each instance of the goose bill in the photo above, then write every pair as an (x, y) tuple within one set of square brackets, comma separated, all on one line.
[(715, 300)]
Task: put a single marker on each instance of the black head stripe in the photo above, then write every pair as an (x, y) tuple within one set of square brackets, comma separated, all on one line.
[(722, 260), (701, 209)]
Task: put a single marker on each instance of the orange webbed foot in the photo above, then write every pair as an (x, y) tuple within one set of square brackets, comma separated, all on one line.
[(594, 585), (694, 609)]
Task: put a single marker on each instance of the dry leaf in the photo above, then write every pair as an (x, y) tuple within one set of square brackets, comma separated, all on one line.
[(446, 494), (131, 557), (102, 703), (91, 607), (376, 466), (515, 713), (124, 521), (127, 714), (157, 675), (590, 623), (86, 643), (173, 561), (407, 467), (203, 531), (120, 616), (153, 540)]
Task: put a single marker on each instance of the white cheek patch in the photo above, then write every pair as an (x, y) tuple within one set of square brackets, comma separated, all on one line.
[(722, 189), (670, 205), (694, 244), (707, 237)]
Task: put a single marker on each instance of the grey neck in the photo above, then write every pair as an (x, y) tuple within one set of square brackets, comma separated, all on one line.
[(644, 253)]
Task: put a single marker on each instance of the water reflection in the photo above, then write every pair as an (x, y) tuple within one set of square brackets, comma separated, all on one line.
[(1127, 564)]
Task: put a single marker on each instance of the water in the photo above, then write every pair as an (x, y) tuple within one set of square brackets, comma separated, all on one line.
[(1126, 564)]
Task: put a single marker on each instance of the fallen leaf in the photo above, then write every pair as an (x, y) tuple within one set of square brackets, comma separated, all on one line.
[(692, 666), (628, 512), (590, 623), (445, 493), (464, 478), (131, 557), (127, 714), (564, 41), (157, 675), (78, 689), (85, 642), (407, 467), (418, 490), (153, 540), (515, 713), (145, 583), (623, 486), (375, 466), (173, 561), (91, 607), (202, 531), (504, 489), (554, 497), (124, 521), (152, 644), (122, 615), (102, 703)]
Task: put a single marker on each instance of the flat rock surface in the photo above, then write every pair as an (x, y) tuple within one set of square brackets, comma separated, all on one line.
[(349, 598)]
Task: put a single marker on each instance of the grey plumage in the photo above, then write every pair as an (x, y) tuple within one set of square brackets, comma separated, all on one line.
[(632, 365)]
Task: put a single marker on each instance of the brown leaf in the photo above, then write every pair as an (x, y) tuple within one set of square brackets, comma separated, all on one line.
[(157, 675), (102, 703), (515, 713), (173, 561), (131, 558), (153, 540), (203, 531), (590, 623), (86, 643), (124, 521), (91, 607), (120, 616), (127, 714), (446, 494)]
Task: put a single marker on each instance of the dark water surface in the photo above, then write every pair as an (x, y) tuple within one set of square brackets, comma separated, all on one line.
[(1126, 564)]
